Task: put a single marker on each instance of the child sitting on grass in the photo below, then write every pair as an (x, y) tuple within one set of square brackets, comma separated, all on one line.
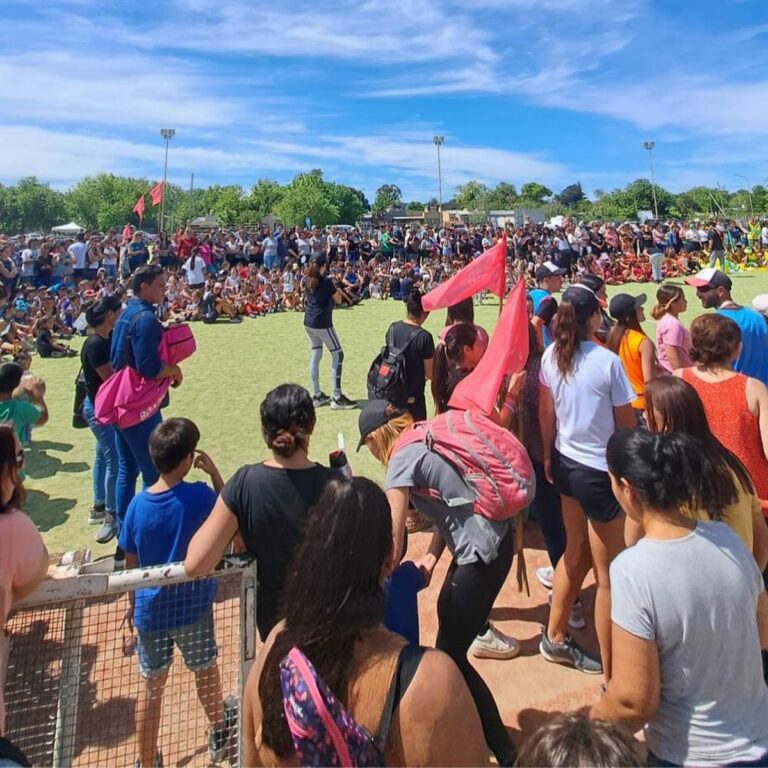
[(158, 527)]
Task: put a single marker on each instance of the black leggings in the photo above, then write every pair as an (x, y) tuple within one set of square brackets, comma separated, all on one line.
[(465, 602)]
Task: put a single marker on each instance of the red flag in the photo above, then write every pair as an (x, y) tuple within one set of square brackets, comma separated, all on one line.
[(507, 353), (486, 272), (156, 193), (139, 208)]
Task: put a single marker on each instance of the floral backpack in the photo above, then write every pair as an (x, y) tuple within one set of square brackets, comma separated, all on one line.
[(324, 732)]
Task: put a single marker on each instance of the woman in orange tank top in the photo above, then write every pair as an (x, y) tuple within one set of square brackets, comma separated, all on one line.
[(635, 350), (736, 405)]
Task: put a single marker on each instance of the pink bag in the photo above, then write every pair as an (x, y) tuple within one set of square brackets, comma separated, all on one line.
[(126, 398), (490, 459)]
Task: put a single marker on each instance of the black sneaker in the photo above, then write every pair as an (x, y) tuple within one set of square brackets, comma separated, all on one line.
[(218, 740), (570, 654), (342, 403), (96, 514), (320, 400), (108, 529)]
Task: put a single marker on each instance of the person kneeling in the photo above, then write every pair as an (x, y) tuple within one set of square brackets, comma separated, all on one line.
[(158, 527)]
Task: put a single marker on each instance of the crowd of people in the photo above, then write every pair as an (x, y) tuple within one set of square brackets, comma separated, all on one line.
[(649, 458)]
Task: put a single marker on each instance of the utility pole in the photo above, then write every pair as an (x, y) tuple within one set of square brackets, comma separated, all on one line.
[(167, 134), (191, 199)]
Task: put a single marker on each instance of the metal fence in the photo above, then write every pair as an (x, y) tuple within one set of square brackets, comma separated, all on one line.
[(75, 694)]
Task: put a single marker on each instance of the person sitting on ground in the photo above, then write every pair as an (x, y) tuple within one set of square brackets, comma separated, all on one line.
[(686, 657), (334, 616), (573, 739), (158, 527), (23, 556), (22, 413), (267, 502), (45, 343)]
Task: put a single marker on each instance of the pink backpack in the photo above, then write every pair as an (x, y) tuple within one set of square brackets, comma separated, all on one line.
[(126, 398), (491, 460)]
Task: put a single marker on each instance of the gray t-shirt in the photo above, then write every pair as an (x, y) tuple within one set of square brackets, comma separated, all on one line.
[(468, 536), (696, 597)]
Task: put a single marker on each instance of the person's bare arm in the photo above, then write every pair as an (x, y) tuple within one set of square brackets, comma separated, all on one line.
[(648, 360), (759, 537), (438, 702), (634, 691), (547, 423), (427, 563), (211, 540), (428, 366), (398, 505), (762, 619), (28, 586), (624, 416)]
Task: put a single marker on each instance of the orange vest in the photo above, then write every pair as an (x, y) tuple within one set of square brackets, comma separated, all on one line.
[(629, 354)]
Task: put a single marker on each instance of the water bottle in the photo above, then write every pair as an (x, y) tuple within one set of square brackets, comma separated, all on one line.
[(338, 458)]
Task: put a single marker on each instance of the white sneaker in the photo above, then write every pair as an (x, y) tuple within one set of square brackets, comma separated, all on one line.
[(576, 618), (494, 644), (546, 576)]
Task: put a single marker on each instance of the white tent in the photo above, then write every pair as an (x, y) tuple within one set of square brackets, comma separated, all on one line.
[(68, 229)]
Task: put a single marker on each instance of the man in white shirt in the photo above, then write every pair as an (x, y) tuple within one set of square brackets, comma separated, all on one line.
[(29, 258), (78, 251)]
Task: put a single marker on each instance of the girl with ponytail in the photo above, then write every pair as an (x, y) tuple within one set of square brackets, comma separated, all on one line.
[(673, 341), (584, 396), (689, 613)]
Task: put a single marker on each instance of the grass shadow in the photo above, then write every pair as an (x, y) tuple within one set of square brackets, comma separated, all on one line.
[(47, 513), (50, 445), (39, 464)]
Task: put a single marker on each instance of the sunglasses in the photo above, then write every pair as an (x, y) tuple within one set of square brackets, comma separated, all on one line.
[(706, 288)]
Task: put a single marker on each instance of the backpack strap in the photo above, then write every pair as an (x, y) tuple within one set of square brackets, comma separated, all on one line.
[(392, 348), (408, 662)]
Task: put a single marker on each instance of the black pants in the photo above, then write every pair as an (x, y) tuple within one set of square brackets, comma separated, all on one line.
[(463, 607), (546, 509)]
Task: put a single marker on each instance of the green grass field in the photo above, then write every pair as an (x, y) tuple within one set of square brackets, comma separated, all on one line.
[(224, 383)]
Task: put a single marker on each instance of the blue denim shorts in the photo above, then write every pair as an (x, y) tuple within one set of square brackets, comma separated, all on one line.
[(196, 643)]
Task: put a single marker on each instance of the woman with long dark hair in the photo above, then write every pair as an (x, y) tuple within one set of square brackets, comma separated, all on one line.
[(23, 556), (673, 405), (584, 397), (320, 294), (268, 502), (689, 613), (97, 368), (334, 607)]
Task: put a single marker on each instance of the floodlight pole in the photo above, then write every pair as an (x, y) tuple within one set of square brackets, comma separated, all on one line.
[(649, 145), (167, 134), (438, 141)]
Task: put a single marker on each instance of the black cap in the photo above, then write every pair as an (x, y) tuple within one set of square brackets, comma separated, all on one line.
[(548, 269), (583, 300), (593, 282), (622, 304), (372, 416)]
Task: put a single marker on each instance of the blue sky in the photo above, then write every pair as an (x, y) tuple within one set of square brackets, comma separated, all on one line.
[(554, 91)]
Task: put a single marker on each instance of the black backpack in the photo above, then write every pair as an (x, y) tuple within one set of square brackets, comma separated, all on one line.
[(386, 376)]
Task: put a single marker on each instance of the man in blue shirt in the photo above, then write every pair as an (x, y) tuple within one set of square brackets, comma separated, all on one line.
[(549, 278), (158, 526), (135, 342), (713, 288)]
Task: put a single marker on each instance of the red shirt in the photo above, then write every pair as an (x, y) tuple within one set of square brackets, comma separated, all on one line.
[(186, 244)]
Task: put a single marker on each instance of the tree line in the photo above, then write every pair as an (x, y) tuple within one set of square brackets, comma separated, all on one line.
[(105, 201)]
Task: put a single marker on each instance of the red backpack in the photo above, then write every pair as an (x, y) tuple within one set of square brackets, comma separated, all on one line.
[(492, 461)]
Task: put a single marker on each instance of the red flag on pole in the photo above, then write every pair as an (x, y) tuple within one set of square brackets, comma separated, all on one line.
[(139, 208), (486, 272), (156, 193), (507, 353)]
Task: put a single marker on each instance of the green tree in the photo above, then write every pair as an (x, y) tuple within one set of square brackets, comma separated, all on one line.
[(263, 199), (106, 201), (641, 191), (388, 196), (571, 196), (503, 197), (473, 196), (307, 195), (414, 206), (534, 193), (30, 205), (347, 200)]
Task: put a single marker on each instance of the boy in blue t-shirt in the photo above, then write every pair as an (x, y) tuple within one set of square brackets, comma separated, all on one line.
[(159, 524)]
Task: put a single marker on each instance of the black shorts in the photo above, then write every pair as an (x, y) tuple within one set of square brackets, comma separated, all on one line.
[(590, 487)]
